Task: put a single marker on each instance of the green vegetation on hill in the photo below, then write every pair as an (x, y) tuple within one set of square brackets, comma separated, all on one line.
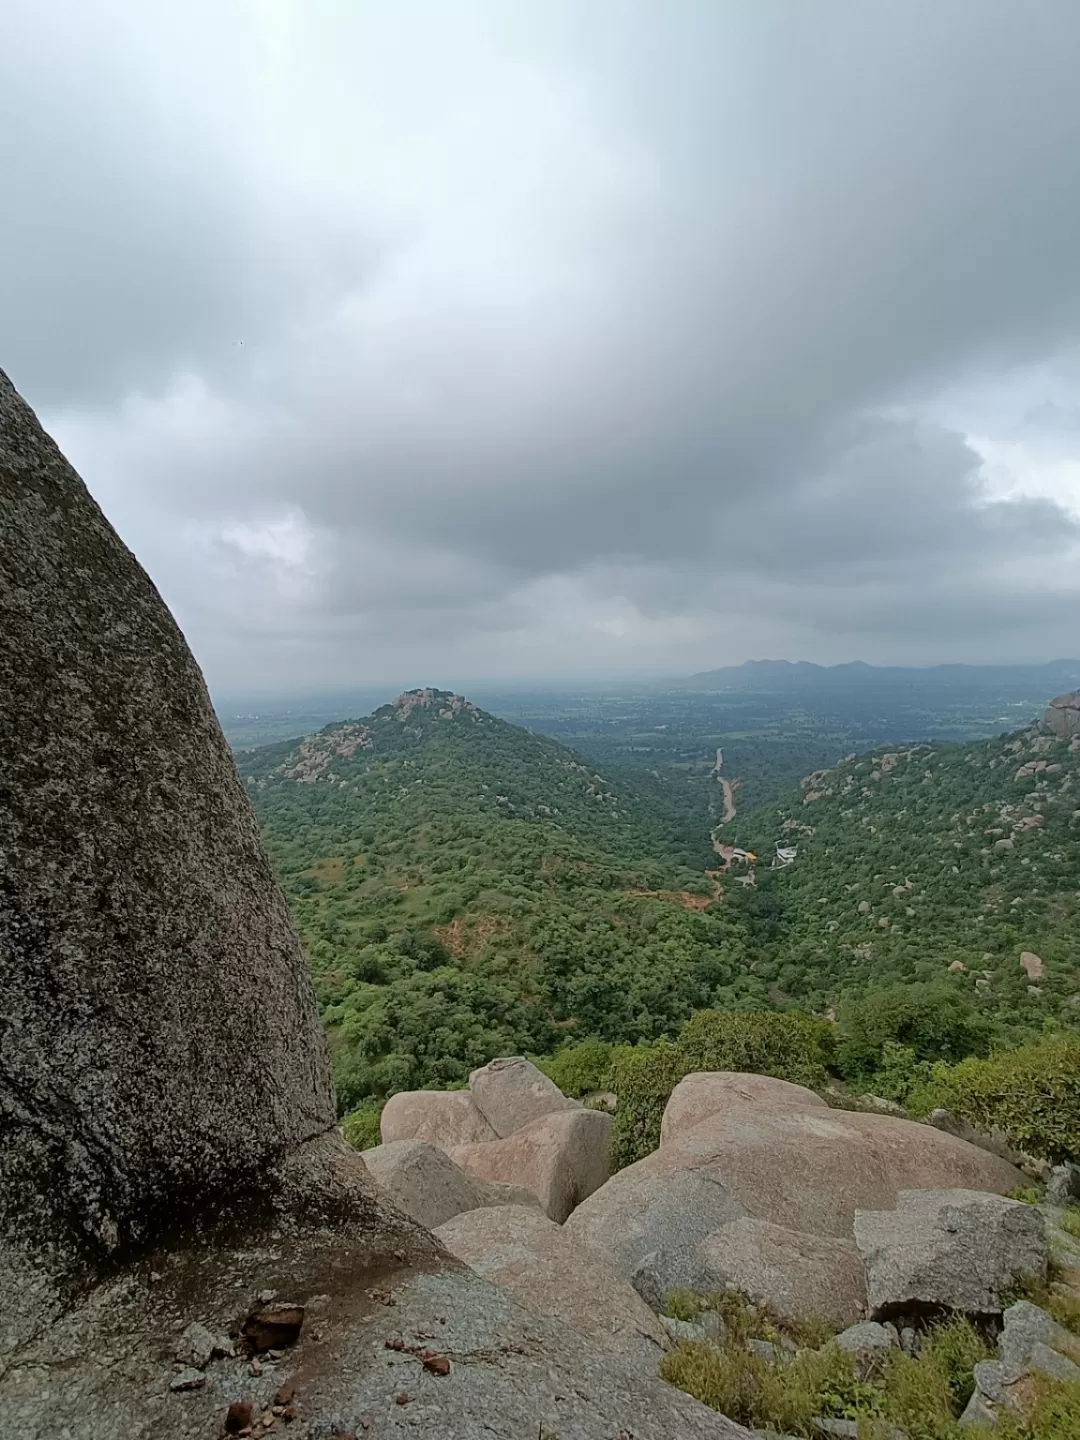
[(465, 888), (924, 864)]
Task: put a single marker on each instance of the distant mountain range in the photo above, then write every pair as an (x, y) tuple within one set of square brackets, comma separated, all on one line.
[(1048, 679)]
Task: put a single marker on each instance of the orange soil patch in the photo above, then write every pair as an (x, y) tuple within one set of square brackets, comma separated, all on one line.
[(686, 898), (467, 936)]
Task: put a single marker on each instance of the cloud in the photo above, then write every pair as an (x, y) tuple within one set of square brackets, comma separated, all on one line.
[(522, 335)]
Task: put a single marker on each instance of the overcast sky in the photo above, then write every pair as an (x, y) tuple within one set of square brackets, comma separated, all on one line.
[(425, 340)]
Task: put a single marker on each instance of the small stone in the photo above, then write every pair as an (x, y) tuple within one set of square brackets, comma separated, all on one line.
[(238, 1417), (909, 1340), (265, 1296), (189, 1379), (437, 1364), (196, 1345), (402, 1398), (255, 1368), (1063, 1187), (683, 1330), (285, 1392), (274, 1327)]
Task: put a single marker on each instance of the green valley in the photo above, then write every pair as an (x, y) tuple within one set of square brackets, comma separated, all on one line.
[(465, 888)]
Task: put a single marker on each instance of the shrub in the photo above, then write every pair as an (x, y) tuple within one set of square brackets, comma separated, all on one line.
[(756, 1392), (930, 1021), (1031, 1095), (643, 1079), (790, 1045), (360, 1127), (580, 1069)]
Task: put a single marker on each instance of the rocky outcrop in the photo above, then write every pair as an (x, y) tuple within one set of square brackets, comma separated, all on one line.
[(649, 1223), (422, 1347), (1033, 1349), (793, 1273), (510, 1093), (513, 1126), (699, 1096), (159, 1039), (169, 1165), (1062, 716), (769, 1155), (554, 1275), (442, 1117), (957, 1250), (424, 1182), (562, 1158)]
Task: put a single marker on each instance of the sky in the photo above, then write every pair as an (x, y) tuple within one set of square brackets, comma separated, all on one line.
[(437, 339)]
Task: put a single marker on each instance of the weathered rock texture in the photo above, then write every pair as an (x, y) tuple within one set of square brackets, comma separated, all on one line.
[(423, 1181), (511, 1092), (1062, 716), (949, 1250), (795, 1274), (443, 1118), (700, 1096), (512, 1126), (158, 1037), (552, 1274), (562, 1158), (769, 1155)]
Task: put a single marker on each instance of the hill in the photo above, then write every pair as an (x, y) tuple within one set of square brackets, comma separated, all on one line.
[(795, 675), (928, 862), (466, 888)]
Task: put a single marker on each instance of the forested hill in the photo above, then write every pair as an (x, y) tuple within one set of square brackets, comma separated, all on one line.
[(465, 888), (922, 863), (432, 755)]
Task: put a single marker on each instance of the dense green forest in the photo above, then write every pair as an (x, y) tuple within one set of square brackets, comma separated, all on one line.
[(921, 863), (466, 888)]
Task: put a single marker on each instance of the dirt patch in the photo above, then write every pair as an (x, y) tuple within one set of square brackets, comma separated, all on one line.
[(686, 898)]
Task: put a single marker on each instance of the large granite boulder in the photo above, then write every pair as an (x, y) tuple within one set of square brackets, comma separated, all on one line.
[(959, 1250), (159, 1039), (794, 1273), (424, 1182), (511, 1092), (1062, 716), (561, 1157), (700, 1096), (553, 1274), (649, 1222), (442, 1117), (773, 1157)]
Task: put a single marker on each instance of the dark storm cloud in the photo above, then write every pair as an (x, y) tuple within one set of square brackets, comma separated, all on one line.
[(567, 330)]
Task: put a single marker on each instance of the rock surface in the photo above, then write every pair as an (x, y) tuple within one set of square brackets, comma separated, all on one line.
[(956, 1250), (442, 1117), (562, 1158), (650, 1223), (509, 1371), (700, 1096), (553, 1274), (159, 1034), (804, 1169), (511, 1093), (1062, 716), (423, 1181), (794, 1273)]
